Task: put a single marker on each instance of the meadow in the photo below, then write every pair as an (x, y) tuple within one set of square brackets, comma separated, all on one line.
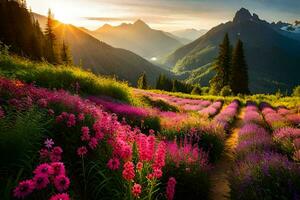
[(69, 134)]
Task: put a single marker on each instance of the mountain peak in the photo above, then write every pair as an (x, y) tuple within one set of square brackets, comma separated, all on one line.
[(243, 15), (140, 24)]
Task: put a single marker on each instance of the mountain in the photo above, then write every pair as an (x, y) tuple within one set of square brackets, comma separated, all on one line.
[(102, 58), (138, 38), (288, 30), (190, 34), (273, 59)]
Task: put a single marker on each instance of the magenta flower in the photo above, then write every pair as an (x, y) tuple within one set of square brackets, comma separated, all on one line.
[(85, 133), (24, 189), (41, 181), (113, 164), (81, 151), (136, 190), (61, 183), (63, 196), (170, 191), (128, 171), (44, 168), (58, 168)]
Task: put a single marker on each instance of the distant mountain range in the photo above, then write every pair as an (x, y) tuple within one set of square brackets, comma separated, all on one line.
[(190, 34), (139, 38), (271, 52), (102, 58)]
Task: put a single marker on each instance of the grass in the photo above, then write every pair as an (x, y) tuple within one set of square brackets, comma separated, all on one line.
[(69, 78)]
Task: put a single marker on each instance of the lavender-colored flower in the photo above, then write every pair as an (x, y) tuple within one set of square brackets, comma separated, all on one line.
[(49, 143)]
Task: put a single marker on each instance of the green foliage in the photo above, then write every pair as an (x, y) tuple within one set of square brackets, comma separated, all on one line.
[(20, 139), (142, 82), (296, 91), (164, 83), (49, 76), (192, 182), (226, 91), (196, 90), (66, 57)]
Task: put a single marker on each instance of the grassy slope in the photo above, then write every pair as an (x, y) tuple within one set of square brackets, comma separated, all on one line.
[(63, 77)]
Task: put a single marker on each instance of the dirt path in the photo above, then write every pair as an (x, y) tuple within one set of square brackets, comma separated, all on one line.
[(220, 185)]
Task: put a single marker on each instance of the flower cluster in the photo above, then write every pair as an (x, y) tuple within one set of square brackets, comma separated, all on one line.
[(212, 110), (227, 115)]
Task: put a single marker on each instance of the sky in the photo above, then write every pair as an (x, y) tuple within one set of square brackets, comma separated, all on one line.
[(168, 15)]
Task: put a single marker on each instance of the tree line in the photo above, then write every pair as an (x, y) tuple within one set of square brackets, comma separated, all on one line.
[(167, 84), (231, 70), (22, 33)]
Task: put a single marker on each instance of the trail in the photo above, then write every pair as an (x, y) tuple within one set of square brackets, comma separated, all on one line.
[(219, 178)]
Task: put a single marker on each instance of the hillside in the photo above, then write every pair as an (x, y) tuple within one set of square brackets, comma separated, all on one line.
[(278, 63), (190, 34), (138, 38), (102, 58)]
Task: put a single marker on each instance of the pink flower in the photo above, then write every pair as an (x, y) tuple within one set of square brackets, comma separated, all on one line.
[(49, 143), (44, 168), (63, 196), (128, 171), (71, 120), (170, 191), (57, 150), (24, 189), (44, 153), (85, 133), (157, 173), (61, 183), (159, 157), (51, 112), (81, 117), (2, 114), (113, 164), (41, 181), (81, 151), (93, 143), (136, 190), (139, 166), (42, 103), (58, 168)]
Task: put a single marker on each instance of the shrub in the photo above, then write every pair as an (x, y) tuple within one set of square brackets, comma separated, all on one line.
[(296, 91), (226, 91), (196, 91)]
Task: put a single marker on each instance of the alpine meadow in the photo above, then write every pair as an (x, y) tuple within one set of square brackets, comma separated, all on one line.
[(149, 100)]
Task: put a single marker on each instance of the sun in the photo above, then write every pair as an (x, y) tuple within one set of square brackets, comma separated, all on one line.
[(62, 14)]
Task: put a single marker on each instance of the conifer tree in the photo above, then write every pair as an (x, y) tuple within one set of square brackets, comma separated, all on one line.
[(66, 57), (142, 82), (50, 39), (222, 66), (239, 71), (224, 58)]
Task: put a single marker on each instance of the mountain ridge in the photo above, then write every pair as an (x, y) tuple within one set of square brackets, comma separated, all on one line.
[(139, 38), (278, 60), (102, 58)]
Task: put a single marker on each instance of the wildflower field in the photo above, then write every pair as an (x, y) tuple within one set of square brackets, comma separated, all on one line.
[(67, 134)]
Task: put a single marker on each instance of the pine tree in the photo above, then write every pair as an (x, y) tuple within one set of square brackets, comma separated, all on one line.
[(224, 58), (222, 66), (66, 57), (50, 39), (142, 82), (239, 71)]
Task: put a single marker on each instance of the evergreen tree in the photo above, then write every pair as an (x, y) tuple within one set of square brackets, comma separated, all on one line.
[(51, 39), (142, 82), (222, 66), (223, 61), (19, 30), (239, 71), (196, 90), (66, 57)]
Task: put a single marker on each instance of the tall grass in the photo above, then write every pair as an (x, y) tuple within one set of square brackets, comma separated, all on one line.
[(63, 77)]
